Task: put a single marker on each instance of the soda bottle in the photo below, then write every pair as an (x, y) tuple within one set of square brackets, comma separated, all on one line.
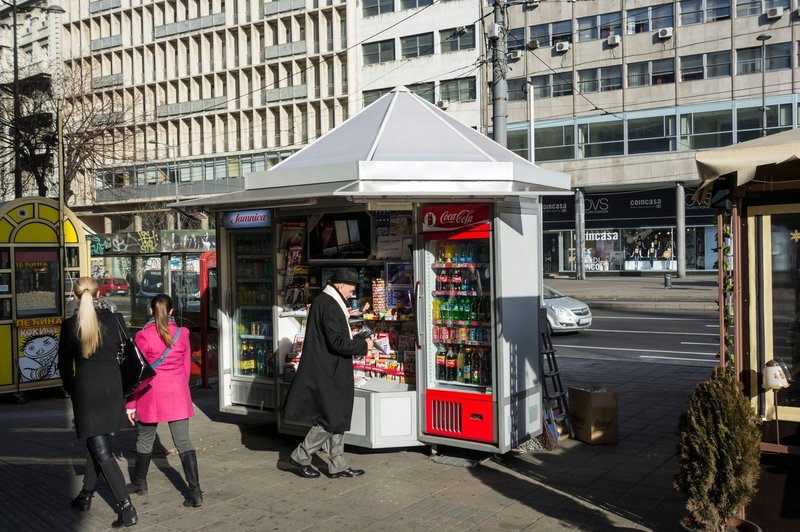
[(475, 366), (261, 364), (486, 374), (251, 359), (243, 358), (441, 364), (437, 309), (467, 370), (450, 362), (460, 365)]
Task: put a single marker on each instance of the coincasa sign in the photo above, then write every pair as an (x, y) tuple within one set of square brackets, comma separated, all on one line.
[(248, 219)]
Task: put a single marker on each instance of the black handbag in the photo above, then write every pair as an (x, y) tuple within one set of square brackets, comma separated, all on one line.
[(133, 367)]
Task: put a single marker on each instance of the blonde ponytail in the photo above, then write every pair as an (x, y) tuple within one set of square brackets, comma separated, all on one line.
[(88, 327)]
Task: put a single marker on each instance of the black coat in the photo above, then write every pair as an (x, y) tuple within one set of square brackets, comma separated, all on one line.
[(95, 384), (321, 392)]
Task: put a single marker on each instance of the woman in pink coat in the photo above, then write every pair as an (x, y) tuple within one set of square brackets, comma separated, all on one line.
[(164, 398)]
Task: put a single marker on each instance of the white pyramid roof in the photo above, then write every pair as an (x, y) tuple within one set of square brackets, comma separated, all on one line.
[(400, 145)]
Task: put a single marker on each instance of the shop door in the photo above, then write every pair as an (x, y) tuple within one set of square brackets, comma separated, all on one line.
[(774, 244)]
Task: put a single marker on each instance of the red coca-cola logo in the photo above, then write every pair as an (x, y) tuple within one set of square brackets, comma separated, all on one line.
[(462, 217)]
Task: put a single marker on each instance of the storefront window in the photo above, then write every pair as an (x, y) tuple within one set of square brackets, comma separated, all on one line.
[(36, 276)]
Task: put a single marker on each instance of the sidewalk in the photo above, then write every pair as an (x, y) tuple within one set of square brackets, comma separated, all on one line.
[(693, 292), (623, 486)]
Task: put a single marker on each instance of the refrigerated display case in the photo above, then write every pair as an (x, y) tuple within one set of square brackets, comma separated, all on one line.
[(253, 297), (478, 384)]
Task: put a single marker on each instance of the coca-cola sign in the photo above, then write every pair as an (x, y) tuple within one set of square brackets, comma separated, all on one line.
[(453, 217), (248, 219)]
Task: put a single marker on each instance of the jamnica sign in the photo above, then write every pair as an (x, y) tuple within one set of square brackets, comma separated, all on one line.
[(245, 219), (453, 217)]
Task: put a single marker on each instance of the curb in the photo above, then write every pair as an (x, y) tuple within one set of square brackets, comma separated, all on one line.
[(655, 304)]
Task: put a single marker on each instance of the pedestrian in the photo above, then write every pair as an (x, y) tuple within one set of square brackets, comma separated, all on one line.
[(87, 362), (165, 398), (321, 392)]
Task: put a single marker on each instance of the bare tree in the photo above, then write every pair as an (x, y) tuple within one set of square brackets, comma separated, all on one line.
[(96, 127)]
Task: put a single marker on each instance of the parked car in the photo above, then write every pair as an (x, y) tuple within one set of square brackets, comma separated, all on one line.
[(112, 286), (565, 314)]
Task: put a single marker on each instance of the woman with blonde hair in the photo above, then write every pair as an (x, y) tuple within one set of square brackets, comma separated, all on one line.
[(166, 398), (87, 360)]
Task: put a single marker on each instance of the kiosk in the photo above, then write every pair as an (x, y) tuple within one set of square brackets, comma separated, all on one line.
[(36, 277), (444, 228)]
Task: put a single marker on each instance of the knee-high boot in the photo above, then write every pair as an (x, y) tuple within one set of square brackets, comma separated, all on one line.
[(101, 450), (193, 497), (139, 484)]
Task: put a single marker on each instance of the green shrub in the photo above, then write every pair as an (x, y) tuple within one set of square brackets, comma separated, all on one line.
[(718, 452)]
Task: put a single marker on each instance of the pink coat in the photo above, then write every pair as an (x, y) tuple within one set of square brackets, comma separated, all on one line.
[(166, 397)]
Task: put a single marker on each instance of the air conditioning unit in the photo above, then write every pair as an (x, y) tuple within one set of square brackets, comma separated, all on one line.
[(562, 46), (443, 104), (774, 13), (515, 55), (533, 44), (614, 40), (665, 33)]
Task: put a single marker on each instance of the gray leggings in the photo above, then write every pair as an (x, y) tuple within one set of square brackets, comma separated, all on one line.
[(180, 436)]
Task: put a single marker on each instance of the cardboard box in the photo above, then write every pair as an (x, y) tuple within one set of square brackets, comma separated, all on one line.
[(595, 415)]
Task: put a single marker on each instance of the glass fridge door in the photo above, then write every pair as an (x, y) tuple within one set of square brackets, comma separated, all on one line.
[(461, 301), (253, 292)]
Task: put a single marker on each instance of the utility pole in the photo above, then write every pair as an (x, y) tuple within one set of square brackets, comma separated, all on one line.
[(497, 39)]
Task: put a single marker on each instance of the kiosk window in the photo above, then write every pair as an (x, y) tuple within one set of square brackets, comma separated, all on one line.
[(36, 281)]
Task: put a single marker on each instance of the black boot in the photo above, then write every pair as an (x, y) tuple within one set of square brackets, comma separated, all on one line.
[(193, 497), (83, 501), (139, 484), (126, 515)]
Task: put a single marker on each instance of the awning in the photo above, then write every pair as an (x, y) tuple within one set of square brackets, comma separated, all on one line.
[(770, 158), (267, 197)]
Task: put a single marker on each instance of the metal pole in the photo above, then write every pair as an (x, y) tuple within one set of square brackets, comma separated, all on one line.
[(763, 38), (679, 246), (15, 52), (177, 191), (61, 191), (580, 235), (499, 83)]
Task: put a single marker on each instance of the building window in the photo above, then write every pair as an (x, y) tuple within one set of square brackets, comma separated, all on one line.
[(601, 139), (711, 129), (458, 90), (700, 11), (718, 64), (651, 134), (748, 121), (550, 85), (515, 39), (600, 79), (779, 56), (748, 60), (610, 24), (370, 96), (424, 90), (651, 73), (753, 8), (377, 7), (553, 143), (692, 67), (647, 19), (378, 52), (516, 89), (550, 34), (453, 40), (411, 4), (587, 29), (416, 45)]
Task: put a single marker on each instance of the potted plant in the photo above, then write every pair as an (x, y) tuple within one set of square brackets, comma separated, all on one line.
[(719, 455)]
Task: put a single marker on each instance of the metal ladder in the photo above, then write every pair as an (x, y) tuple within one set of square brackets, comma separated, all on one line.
[(555, 397)]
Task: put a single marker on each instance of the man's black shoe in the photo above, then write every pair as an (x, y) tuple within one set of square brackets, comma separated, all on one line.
[(350, 473), (303, 470)]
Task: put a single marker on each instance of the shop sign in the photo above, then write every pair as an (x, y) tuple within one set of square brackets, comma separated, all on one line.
[(38, 348), (453, 217), (248, 219), (602, 235)]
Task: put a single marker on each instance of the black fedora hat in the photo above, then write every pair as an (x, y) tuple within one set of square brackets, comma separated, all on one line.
[(345, 275)]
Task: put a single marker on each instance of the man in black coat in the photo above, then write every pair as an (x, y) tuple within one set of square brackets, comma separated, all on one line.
[(321, 392)]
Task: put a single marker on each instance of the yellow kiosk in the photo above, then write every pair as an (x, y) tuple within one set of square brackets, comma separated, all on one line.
[(36, 274)]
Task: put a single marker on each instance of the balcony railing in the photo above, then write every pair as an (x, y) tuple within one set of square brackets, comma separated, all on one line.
[(187, 108), (107, 81), (106, 42), (279, 6), (103, 5), (286, 93), (283, 50), (185, 26)]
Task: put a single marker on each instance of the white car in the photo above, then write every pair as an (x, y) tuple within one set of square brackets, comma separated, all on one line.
[(565, 314)]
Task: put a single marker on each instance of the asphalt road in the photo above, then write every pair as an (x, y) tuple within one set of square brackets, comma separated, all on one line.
[(669, 337)]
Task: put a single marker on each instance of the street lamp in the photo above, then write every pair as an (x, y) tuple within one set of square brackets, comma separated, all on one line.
[(763, 38), (15, 94), (174, 149)]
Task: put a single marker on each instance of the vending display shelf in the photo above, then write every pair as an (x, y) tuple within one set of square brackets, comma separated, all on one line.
[(459, 265)]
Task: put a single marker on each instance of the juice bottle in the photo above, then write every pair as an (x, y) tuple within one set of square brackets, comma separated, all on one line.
[(437, 311), (467, 370), (460, 365)]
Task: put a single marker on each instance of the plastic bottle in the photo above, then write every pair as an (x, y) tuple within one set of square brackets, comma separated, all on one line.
[(450, 361), (460, 365), (475, 366), (441, 364), (261, 364), (437, 309), (467, 369), (251, 359)]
